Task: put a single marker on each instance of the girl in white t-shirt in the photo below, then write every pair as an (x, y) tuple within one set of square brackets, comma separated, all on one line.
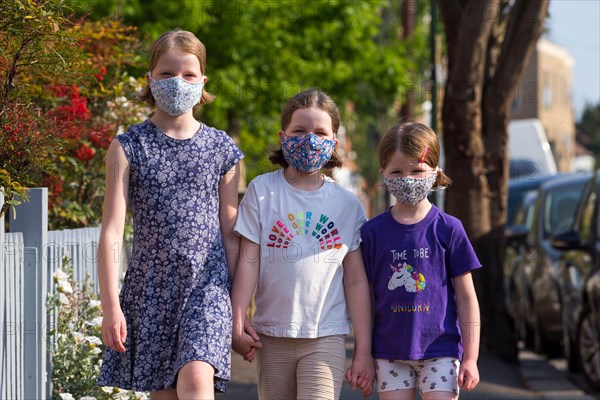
[(300, 251)]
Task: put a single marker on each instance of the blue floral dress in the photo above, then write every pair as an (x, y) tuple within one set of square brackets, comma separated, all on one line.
[(175, 296)]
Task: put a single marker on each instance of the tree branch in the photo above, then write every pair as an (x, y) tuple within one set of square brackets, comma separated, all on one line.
[(466, 66), (451, 11), (524, 29)]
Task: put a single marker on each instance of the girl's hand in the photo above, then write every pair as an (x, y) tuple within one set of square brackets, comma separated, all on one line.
[(249, 329), (361, 374), (245, 345), (114, 330), (246, 342), (468, 375)]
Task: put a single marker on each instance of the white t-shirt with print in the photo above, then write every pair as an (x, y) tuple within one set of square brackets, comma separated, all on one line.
[(303, 237)]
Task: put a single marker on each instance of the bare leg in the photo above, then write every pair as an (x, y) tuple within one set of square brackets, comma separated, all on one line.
[(439, 396), (402, 394), (195, 381)]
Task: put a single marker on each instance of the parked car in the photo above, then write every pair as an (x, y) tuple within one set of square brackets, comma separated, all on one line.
[(516, 287), (522, 192), (535, 268), (580, 285), (517, 188)]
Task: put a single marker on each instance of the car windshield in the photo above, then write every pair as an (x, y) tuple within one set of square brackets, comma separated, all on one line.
[(515, 200), (560, 209)]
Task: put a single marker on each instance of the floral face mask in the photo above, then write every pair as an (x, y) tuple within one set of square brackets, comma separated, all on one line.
[(306, 153), (410, 191), (175, 96)]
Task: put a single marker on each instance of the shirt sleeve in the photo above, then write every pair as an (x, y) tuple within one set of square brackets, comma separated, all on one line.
[(232, 154), (125, 140), (360, 218), (460, 256), (248, 219), (366, 251)]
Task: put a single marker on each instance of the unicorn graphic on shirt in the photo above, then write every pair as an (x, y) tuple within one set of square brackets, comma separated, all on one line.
[(405, 276)]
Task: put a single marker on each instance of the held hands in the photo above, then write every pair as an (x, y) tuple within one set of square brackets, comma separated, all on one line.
[(114, 330), (246, 342), (361, 373), (468, 375)]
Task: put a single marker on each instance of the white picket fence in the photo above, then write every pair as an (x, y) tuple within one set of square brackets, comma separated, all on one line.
[(30, 255)]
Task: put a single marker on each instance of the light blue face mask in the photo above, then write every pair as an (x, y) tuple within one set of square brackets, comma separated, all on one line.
[(175, 96)]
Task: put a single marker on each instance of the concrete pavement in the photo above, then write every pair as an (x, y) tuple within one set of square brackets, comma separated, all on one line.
[(532, 378)]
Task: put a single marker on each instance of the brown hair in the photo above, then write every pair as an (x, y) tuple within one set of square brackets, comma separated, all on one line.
[(411, 139), (305, 100), (181, 40)]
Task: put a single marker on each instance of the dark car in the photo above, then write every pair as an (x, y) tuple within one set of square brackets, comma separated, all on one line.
[(537, 267), (516, 287), (580, 285), (522, 192), (517, 188)]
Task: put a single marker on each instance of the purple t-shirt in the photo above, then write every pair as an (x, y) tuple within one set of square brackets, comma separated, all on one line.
[(410, 268)]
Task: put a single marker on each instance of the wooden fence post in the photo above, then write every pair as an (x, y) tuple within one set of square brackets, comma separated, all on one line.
[(32, 221)]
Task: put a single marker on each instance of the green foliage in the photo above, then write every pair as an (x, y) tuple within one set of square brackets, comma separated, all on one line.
[(259, 54), (92, 115), (35, 42), (76, 347), (589, 124)]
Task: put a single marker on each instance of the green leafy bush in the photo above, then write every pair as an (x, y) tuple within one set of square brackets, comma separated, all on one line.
[(76, 345)]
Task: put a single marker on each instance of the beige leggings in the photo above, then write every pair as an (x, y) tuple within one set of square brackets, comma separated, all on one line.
[(291, 369)]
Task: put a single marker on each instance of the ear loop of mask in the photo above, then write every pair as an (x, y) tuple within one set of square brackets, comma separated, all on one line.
[(422, 160)]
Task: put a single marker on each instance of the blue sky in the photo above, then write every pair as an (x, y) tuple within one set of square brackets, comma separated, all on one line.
[(575, 25)]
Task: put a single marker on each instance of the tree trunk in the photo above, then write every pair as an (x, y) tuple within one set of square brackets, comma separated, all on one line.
[(475, 117)]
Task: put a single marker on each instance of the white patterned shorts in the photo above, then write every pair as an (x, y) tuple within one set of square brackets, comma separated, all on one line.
[(433, 375)]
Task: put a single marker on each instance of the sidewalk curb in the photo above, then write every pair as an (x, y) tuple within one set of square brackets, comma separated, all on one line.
[(544, 379)]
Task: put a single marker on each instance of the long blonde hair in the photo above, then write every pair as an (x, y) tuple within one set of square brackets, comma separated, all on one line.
[(181, 40)]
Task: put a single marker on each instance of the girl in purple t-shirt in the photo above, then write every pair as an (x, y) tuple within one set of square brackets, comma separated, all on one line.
[(419, 262)]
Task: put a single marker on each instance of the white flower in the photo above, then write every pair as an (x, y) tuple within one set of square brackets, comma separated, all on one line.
[(141, 396), (107, 389), (95, 322), (93, 340), (87, 398), (96, 350), (79, 337), (60, 275), (65, 287), (63, 299), (66, 396), (95, 303), (122, 395)]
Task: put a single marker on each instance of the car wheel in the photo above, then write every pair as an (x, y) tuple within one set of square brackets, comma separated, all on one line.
[(541, 344), (588, 349), (570, 350)]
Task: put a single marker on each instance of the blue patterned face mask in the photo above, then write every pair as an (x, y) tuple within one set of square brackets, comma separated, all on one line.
[(175, 96), (306, 153), (410, 191)]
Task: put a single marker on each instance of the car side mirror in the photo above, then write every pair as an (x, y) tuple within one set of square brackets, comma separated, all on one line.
[(566, 241), (515, 233)]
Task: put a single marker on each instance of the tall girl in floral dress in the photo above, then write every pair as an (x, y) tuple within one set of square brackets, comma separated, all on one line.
[(169, 329)]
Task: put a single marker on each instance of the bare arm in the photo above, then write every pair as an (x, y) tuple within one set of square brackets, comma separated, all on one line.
[(110, 246), (358, 296), (470, 325), (228, 209), (244, 283)]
